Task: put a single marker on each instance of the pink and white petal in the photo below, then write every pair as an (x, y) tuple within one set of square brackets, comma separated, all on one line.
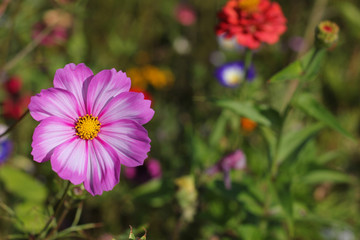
[(127, 105), (129, 139), (103, 171), (70, 160), (50, 133), (54, 102), (71, 78), (103, 87)]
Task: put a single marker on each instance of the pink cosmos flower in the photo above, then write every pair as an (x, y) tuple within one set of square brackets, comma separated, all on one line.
[(89, 125)]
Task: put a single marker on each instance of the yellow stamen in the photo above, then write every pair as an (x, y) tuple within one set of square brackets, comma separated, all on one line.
[(87, 127), (249, 5)]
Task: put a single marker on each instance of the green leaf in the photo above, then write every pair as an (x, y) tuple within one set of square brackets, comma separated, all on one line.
[(251, 204), (310, 71), (292, 142), (247, 110), (219, 129), (286, 200), (249, 232), (292, 71), (32, 217), (306, 67), (310, 106), (324, 175), (22, 185)]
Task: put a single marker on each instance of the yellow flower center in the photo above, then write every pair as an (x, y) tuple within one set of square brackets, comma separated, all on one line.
[(249, 5), (87, 127)]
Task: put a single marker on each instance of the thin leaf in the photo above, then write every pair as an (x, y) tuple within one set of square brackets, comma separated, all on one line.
[(292, 142), (324, 175), (310, 106), (292, 71), (306, 67), (244, 110)]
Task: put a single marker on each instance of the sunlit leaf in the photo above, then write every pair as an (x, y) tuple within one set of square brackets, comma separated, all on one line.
[(22, 184), (32, 217)]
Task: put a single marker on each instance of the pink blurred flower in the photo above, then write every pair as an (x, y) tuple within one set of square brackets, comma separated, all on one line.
[(89, 125), (235, 160), (150, 170), (57, 35), (185, 14)]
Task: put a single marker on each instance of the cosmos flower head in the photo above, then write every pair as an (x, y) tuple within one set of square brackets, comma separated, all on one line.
[(251, 22), (5, 145), (233, 74), (89, 126)]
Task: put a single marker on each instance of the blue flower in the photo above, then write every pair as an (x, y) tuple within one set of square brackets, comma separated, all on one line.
[(5, 146), (233, 74)]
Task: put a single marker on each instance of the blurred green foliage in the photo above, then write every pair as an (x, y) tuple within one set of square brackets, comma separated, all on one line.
[(316, 193)]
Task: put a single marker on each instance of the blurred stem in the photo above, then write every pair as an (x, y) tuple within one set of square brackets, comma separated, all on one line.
[(294, 87), (316, 15), (25, 51), (78, 214), (56, 211), (14, 124), (287, 107), (3, 6), (7, 209), (248, 60), (77, 229)]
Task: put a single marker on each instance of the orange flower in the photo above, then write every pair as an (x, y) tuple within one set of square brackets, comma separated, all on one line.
[(248, 125)]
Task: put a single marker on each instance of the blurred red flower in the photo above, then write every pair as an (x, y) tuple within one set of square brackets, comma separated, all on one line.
[(147, 95), (263, 21), (14, 108), (13, 85)]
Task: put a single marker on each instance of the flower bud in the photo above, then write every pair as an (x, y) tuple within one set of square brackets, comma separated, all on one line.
[(327, 34)]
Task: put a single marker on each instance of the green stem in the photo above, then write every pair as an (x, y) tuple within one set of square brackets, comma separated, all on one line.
[(14, 124), (77, 229), (78, 214), (56, 211), (31, 46)]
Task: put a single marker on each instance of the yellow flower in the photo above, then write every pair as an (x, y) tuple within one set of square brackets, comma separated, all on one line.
[(158, 78), (137, 78), (249, 5)]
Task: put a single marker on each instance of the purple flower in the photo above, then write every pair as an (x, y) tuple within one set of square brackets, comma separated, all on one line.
[(235, 160), (5, 146), (296, 43), (89, 125), (233, 74), (150, 170)]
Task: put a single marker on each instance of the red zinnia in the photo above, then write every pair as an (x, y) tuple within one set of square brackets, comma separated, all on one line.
[(263, 21)]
